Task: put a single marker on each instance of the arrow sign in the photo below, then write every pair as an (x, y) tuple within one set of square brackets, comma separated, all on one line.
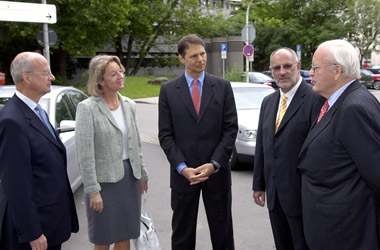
[(248, 50), (27, 12)]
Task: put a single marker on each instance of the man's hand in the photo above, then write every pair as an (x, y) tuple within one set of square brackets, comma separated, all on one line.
[(259, 197), (199, 174), (96, 202), (39, 244)]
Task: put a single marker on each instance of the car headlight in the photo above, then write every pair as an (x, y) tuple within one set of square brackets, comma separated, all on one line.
[(250, 134)]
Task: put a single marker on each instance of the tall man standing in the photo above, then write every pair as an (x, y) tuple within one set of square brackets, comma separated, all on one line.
[(37, 209), (340, 159), (285, 119), (197, 131)]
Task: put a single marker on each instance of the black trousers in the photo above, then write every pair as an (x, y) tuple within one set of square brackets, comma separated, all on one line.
[(219, 217), (287, 230)]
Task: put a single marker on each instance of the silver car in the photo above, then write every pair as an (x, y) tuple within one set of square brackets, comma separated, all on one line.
[(60, 104), (248, 98)]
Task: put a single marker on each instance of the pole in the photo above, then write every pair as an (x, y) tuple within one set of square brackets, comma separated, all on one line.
[(246, 43), (46, 39)]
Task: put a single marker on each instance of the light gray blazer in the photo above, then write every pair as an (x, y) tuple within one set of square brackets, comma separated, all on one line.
[(99, 144)]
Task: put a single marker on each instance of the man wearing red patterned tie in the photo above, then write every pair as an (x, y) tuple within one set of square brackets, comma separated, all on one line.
[(340, 160), (197, 131), (285, 119)]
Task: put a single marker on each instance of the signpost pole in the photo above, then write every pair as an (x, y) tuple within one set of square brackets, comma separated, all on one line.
[(46, 39), (246, 42)]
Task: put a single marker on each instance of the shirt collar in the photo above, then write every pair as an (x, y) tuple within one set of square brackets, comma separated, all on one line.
[(189, 79), (290, 94), (30, 103), (334, 97)]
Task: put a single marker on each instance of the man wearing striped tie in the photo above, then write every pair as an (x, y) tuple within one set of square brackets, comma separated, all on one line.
[(285, 119)]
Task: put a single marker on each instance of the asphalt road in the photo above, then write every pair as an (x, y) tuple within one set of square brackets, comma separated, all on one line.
[(251, 223)]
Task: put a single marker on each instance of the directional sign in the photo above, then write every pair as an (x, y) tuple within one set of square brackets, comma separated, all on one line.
[(27, 12), (248, 50), (251, 33), (223, 50)]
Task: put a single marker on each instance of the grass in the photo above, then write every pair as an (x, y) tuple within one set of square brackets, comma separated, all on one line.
[(137, 87)]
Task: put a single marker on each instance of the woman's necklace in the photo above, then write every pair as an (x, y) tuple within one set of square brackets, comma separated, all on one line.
[(116, 105)]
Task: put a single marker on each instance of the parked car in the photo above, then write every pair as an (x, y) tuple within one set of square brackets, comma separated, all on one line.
[(366, 78), (375, 79), (60, 104), (374, 70), (248, 98), (258, 77), (267, 73), (305, 74)]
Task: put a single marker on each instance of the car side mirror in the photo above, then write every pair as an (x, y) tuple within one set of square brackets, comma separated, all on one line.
[(66, 126)]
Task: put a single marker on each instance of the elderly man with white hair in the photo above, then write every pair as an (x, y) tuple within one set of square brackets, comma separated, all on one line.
[(340, 158)]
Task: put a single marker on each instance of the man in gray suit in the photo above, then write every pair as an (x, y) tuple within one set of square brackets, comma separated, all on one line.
[(285, 119)]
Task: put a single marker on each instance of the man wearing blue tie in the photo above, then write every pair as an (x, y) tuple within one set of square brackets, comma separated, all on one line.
[(37, 209)]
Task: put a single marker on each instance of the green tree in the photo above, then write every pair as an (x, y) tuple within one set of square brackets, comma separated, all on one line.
[(363, 21)]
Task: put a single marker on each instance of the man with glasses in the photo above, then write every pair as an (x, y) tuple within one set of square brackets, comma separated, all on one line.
[(285, 119), (340, 158), (37, 209)]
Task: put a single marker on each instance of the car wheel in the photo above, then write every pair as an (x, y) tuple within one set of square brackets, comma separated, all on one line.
[(234, 161), (376, 85)]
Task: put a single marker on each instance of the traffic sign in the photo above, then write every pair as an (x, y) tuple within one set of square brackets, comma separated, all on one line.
[(52, 37), (248, 50), (27, 12), (299, 52), (251, 34), (223, 48)]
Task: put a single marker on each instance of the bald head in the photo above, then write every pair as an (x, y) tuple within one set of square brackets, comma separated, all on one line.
[(24, 62)]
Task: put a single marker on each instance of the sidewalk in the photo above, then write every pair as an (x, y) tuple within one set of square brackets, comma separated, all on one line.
[(148, 100)]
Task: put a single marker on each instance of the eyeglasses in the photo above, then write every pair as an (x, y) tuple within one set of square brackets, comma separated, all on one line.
[(285, 66), (315, 68), (46, 73)]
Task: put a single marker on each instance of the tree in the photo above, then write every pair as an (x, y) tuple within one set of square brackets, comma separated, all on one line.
[(363, 21)]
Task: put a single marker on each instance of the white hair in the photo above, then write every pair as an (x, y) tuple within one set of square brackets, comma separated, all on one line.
[(344, 54)]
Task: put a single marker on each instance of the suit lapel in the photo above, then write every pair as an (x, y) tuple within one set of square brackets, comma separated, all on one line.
[(207, 94), (295, 104), (273, 108), (184, 94), (102, 105), (319, 127), (36, 122)]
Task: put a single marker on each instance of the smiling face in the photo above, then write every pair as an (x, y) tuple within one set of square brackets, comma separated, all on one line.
[(285, 69), (113, 78), (194, 60)]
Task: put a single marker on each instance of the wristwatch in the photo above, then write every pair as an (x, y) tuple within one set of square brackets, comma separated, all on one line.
[(215, 167)]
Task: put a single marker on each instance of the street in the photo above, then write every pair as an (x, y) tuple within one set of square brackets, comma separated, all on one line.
[(251, 223)]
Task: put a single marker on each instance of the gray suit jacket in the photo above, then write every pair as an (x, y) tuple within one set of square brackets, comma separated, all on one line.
[(99, 144)]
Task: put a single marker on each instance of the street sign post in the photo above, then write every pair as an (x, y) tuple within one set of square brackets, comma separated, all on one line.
[(223, 52), (299, 52), (27, 12)]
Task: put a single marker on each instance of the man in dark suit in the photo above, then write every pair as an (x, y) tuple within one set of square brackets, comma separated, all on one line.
[(198, 137), (37, 209), (340, 158), (285, 119)]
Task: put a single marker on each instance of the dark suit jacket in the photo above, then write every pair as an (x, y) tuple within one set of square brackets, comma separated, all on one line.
[(186, 138), (35, 193), (276, 155), (340, 165)]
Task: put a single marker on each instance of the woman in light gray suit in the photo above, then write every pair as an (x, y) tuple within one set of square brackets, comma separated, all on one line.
[(109, 156)]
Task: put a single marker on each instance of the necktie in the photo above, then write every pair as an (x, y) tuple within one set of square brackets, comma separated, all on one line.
[(196, 96), (324, 109), (43, 115), (282, 111)]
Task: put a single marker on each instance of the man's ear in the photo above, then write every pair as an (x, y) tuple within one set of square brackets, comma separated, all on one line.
[(181, 59), (25, 77)]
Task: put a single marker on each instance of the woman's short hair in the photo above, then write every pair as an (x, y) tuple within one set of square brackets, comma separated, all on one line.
[(98, 65), (343, 53)]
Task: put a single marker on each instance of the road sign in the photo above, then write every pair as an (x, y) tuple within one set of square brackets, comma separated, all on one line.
[(52, 37), (27, 12), (248, 50), (299, 51), (251, 34), (223, 48)]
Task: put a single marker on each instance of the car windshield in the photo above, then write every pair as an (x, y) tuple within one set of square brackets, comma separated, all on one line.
[(366, 72), (250, 98), (259, 77)]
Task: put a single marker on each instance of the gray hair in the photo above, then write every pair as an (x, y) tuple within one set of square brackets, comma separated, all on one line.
[(285, 48), (98, 65), (20, 64), (343, 53)]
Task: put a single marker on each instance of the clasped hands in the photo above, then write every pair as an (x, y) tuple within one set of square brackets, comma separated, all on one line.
[(199, 174)]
